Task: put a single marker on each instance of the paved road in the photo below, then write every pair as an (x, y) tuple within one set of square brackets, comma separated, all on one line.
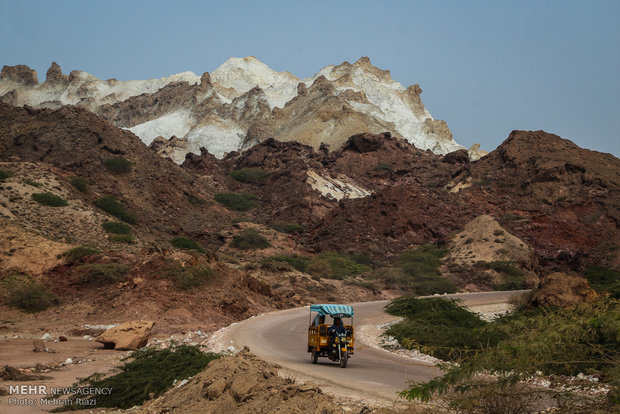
[(281, 337)]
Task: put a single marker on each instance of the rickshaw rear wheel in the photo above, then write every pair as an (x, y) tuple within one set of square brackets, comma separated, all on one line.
[(314, 356)]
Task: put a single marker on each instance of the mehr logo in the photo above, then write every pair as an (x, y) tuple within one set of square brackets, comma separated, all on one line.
[(27, 389)]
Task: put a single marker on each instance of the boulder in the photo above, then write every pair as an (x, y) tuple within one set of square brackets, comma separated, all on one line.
[(39, 345), (127, 336), (559, 289)]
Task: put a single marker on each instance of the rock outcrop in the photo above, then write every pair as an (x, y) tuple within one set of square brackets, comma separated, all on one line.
[(558, 289), (127, 336), (242, 103), (242, 384)]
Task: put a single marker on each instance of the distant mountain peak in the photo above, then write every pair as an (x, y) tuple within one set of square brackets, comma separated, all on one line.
[(241, 103)]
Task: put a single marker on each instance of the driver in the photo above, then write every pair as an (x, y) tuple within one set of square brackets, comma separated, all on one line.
[(337, 327)]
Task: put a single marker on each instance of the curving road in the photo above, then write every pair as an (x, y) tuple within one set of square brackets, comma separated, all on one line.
[(281, 337)]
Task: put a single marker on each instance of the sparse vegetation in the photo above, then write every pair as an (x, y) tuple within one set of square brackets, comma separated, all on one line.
[(249, 175), (196, 200), (33, 183), (236, 202), (297, 262), (418, 270), (333, 265), (147, 371), (20, 291), (4, 174), (559, 342), (79, 183), (114, 207), (122, 238), (498, 232), (101, 274), (512, 276), (439, 327), (116, 227), (603, 279), (512, 217), (189, 277), (49, 199), (186, 244), (482, 182), (118, 165), (79, 252), (285, 227), (250, 239), (383, 166)]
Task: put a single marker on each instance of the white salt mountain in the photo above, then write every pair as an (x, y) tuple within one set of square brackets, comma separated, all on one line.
[(242, 103)]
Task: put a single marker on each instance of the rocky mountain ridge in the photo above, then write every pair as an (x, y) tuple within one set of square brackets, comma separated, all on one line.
[(240, 104)]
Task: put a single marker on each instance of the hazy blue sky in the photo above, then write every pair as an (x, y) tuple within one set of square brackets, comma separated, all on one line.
[(486, 67)]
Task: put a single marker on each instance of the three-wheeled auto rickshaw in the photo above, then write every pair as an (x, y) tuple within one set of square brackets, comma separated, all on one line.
[(331, 341)]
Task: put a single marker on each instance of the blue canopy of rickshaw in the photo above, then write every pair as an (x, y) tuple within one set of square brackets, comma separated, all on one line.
[(335, 311)]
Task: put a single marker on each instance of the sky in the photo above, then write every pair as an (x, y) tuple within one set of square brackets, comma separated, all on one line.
[(485, 67)]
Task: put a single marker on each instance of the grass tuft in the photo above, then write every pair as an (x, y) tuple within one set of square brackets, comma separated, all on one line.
[(250, 239), (186, 244), (21, 291), (190, 277), (49, 199), (249, 175), (145, 371), (236, 202), (114, 207), (79, 252), (116, 227), (285, 227), (118, 165), (79, 183)]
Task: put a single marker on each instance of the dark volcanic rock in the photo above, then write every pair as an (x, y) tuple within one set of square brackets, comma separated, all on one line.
[(457, 157), (366, 142), (20, 74)]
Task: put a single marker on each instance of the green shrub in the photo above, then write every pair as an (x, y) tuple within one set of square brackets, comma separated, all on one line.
[(439, 327), (250, 239), (604, 279), (116, 227), (298, 262), (186, 244), (419, 271), (554, 341), (5, 174), (343, 265), (512, 277), (79, 183), (118, 165), (196, 200), (512, 217), (101, 274), (237, 220), (383, 166), (249, 175), (189, 277), (122, 238), (319, 268), (285, 227), (33, 183), (114, 207), (22, 292), (236, 202), (482, 183), (49, 199), (81, 251), (149, 370)]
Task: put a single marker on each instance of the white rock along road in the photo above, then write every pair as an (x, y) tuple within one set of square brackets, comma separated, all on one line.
[(373, 374)]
